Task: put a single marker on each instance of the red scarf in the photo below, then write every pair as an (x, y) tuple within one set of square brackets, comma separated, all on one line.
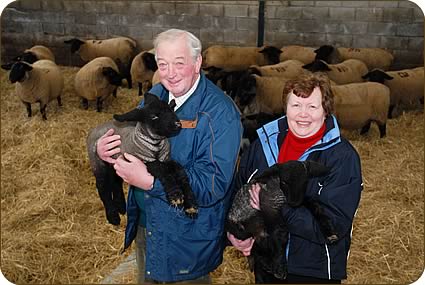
[(293, 147)]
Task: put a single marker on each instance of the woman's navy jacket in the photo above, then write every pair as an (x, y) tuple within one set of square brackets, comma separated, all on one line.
[(178, 247), (338, 192)]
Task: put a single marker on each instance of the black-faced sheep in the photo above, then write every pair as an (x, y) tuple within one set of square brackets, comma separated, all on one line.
[(372, 57), (281, 184), (232, 58), (121, 49), (357, 105), (35, 53), (406, 87), (142, 70), (348, 71), (39, 82), (143, 134), (96, 80)]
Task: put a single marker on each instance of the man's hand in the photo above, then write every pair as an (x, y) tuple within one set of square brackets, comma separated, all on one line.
[(133, 171), (107, 145), (242, 245)]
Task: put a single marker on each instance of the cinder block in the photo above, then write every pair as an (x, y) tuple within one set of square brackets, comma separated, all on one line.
[(394, 42), (211, 36), (167, 8), (415, 43), (368, 14), (48, 5), (288, 13), (211, 9), (246, 24), (326, 3), (339, 40), (117, 7), (315, 13), (354, 28), (411, 30), (53, 28), (235, 11), (398, 14), (73, 6), (30, 4), (343, 14), (223, 23), (187, 9), (387, 29), (366, 41)]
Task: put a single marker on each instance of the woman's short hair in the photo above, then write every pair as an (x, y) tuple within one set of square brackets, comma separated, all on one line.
[(193, 42), (304, 85)]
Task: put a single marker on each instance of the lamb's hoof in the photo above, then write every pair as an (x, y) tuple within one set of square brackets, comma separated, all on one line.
[(177, 202), (279, 272), (332, 238), (191, 212), (113, 218), (176, 198)]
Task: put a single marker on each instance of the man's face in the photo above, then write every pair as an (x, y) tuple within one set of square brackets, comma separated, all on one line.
[(177, 69)]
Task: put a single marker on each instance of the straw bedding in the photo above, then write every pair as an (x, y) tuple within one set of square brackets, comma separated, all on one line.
[(53, 227)]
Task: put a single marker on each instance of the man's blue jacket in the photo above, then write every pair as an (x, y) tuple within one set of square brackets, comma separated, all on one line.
[(177, 247), (338, 192)]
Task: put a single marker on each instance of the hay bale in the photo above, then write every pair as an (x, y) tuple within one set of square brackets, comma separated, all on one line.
[(54, 228)]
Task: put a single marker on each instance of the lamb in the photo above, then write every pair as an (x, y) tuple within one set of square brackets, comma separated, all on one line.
[(281, 184), (121, 49), (406, 87), (35, 53), (297, 52), (348, 71), (357, 105), (372, 57), (232, 58), (39, 82), (96, 80), (142, 69), (143, 134)]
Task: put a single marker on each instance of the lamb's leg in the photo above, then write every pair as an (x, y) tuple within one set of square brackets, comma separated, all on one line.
[(277, 243), (99, 104), (28, 106), (140, 89), (118, 197), (59, 101), (382, 130), (190, 204), (172, 190), (105, 190), (324, 221)]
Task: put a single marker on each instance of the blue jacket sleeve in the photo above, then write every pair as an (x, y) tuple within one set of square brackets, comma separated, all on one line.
[(338, 193)]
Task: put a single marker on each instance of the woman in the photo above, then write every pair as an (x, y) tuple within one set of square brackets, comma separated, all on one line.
[(309, 131)]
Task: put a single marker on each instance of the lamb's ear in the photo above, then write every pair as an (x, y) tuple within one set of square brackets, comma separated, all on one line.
[(134, 115), (316, 169), (150, 98), (7, 66)]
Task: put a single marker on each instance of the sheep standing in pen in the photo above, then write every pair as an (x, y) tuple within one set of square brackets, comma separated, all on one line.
[(232, 58), (121, 49), (372, 57), (357, 105), (348, 71), (142, 70), (39, 82), (406, 87), (35, 53), (96, 80), (143, 134), (281, 184)]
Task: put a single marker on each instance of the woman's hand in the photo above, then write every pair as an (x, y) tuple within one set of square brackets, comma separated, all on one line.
[(254, 193), (107, 146), (133, 171), (242, 245)]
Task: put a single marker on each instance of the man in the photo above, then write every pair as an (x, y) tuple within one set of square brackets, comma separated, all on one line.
[(170, 246)]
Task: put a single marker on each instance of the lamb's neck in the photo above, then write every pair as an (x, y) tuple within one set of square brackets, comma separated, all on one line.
[(154, 147)]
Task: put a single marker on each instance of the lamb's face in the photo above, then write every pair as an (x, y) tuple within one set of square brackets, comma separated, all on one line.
[(161, 117)]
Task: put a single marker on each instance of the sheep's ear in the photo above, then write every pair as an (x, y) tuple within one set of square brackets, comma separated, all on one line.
[(134, 115), (7, 66)]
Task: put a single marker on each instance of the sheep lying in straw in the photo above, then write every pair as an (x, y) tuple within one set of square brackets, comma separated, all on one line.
[(96, 80), (142, 70), (281, 185), (372, 57), (232, 58), (35, 53), (357, 105), (143, 134), (39, 82), (406, 86), (348, 71), (120, 49)]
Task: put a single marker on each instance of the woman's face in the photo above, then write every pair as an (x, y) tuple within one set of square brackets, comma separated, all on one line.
[(177, 69), (305, 115)]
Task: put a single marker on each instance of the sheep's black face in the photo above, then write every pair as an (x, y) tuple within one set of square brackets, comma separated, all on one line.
[(246, 91), (18, 70), (157, 115), (75, 44), (28, 57), (317, 66), (324, 52), (377, 75), (272, 54)]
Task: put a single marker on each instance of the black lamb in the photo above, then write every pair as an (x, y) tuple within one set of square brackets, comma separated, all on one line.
[(143, 134), (280, 184)]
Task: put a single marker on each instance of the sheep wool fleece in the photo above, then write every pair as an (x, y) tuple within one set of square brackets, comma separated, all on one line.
[(338, 192), (177, 247)]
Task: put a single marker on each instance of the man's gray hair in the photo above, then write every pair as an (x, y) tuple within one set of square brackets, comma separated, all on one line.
[(192, 41)]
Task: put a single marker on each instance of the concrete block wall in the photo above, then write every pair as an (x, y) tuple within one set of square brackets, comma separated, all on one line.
[(396, 25)]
